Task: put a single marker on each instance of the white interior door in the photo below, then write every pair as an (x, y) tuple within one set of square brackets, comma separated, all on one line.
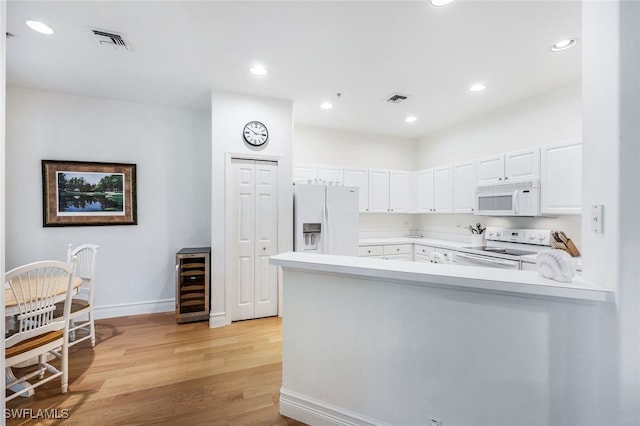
[(266, 237), (253, 238)]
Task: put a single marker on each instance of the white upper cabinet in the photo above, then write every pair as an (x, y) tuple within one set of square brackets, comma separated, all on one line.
[(516, 166), (443, 189), (424, 189), (400, 190), (359, 177), (561, 178), (390, 190), (378, 190), (464, 186), (331, 173), (491, 170), (522, 165), (305, 172)]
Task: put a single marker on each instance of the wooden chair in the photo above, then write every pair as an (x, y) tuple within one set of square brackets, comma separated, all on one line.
[(31, 292), (81, 316)]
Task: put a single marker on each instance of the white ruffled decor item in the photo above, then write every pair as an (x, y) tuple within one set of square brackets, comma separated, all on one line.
[(556, 264)]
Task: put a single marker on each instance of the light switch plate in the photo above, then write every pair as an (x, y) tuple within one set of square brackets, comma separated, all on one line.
[(596, 218)]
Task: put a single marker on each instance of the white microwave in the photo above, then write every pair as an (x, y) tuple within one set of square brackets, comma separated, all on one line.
[(512, 199)]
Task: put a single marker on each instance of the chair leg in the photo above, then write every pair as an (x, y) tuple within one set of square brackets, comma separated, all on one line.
[(92, 329), (64, 364)]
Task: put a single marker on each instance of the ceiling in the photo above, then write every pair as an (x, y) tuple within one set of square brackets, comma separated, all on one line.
[(313, 50)]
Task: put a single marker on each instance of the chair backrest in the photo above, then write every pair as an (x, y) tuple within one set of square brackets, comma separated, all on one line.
[(86, 266), (31, 292)]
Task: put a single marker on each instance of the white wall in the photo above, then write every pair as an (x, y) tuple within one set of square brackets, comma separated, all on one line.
[(553, 116), (611, 64), (343, 148), (229, 113), (136, 264), (3, 45)]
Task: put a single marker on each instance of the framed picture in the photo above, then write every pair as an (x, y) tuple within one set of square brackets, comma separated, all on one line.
[(80, 193)]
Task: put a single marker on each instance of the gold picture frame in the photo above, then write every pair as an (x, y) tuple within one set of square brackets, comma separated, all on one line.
[(83, 193)]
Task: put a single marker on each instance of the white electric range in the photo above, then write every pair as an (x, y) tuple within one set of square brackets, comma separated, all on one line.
[(505, 248)]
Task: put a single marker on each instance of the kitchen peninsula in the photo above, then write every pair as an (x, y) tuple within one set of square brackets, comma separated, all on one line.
[(374, 341)]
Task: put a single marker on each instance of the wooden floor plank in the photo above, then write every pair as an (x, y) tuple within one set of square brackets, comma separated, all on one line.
[(148, 370)]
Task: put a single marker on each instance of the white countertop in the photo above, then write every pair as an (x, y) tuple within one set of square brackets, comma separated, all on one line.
[(471, 278)]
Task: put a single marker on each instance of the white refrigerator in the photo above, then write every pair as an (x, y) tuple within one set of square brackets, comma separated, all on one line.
[(325, 219)]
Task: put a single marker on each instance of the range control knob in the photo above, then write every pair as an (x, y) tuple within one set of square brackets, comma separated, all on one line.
[(532, 237), (491, 233), (498, 233), (540, 236)]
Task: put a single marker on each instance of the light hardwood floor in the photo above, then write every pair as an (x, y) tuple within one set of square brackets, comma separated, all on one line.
[(147, 369)]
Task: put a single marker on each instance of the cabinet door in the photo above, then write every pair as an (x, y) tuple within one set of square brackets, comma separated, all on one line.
[(464, 187), (443, 189), (304, 172), (399, 191), (561, 178), (331, 173), (423, 253), (449, 256), (522, 165), (424, 188), (359, 178), (491, 170), (378, 190)]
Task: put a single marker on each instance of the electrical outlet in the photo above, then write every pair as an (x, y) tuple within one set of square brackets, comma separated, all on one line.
[(435, 422), (597, 218)]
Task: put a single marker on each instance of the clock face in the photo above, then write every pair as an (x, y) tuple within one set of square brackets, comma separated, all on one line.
[(255, 133)]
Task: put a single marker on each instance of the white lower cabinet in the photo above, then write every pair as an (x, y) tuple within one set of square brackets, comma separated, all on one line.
[(389, 251), (429, 254), (398, 251), (370, 251), (410, 252)]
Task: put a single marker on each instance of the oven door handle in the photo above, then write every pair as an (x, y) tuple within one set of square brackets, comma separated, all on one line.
[(486, 259)]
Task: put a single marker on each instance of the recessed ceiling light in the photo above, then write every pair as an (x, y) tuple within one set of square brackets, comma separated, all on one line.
[(564, 45), (326, 105), (40, 27), (478, 87), (439, 3), (410, 119), (258, 70)]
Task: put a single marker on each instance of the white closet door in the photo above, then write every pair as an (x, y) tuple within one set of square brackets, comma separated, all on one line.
[(266, 278), (253, 289)]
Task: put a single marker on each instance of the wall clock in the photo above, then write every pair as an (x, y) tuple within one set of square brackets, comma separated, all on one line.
[(255, 133)]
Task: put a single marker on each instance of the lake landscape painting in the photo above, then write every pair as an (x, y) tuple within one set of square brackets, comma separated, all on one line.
[(93, 193), (88, 193)]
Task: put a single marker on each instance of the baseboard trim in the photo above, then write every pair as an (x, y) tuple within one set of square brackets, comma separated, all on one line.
[(218, 319), (315, 412), (139, 308)]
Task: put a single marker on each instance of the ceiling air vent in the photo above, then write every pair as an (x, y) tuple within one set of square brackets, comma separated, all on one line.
[(110, 39), (396, 98)]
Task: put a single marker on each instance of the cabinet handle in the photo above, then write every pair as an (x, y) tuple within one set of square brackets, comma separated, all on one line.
[(506, 177), (368, 251), (499, 178), (264, 248)]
